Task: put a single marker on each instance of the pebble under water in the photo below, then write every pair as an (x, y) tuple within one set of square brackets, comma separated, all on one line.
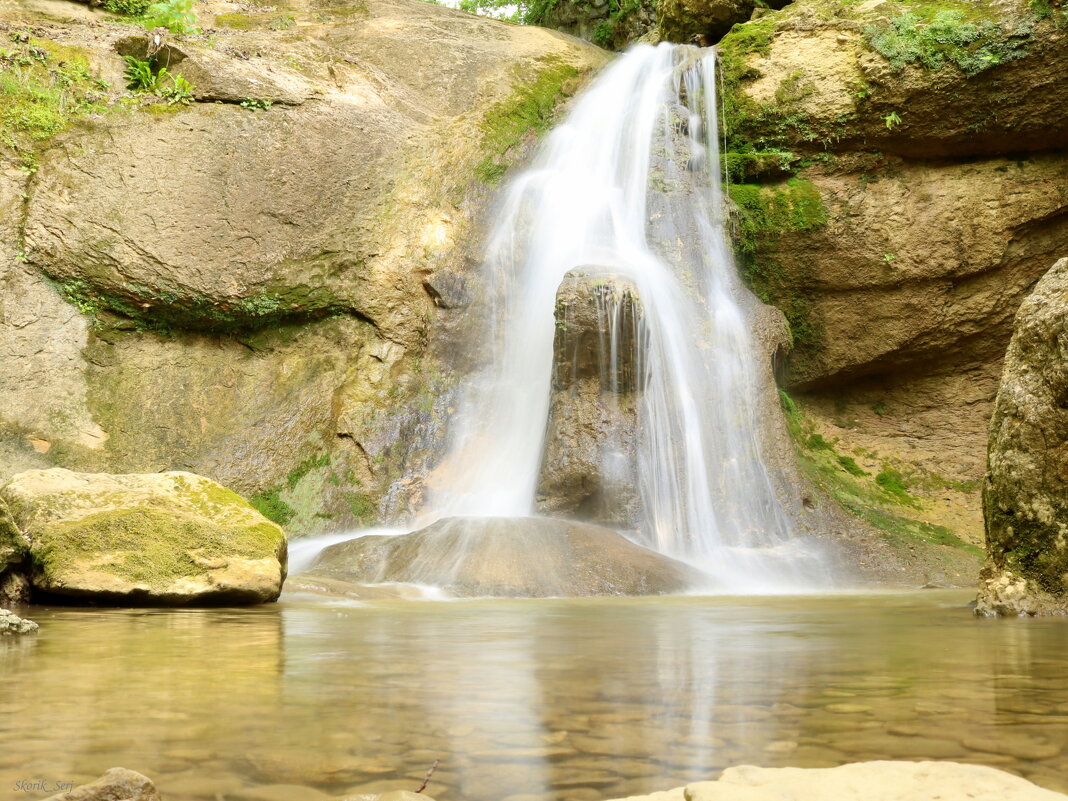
[(569, 700)]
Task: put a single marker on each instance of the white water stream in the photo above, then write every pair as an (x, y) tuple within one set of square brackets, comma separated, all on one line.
[(630, 182)]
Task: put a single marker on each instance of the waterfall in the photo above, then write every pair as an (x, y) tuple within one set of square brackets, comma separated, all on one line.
[(629, 186)]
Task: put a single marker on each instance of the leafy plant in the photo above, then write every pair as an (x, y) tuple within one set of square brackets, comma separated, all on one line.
[(175, 15), (179, 90), (892, 120), (948, 38), (254, 104), (147, 77)]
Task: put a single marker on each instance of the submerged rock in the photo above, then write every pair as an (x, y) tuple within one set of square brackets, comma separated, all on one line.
[(117, 784), (526, 557), (862, 781), (166, 538), (10, 623), (588, 469), (1025, 496)]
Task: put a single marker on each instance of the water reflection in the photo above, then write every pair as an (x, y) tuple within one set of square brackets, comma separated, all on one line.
[(566, 700)]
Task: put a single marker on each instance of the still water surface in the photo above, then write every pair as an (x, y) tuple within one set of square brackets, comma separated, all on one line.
[(573, 700)]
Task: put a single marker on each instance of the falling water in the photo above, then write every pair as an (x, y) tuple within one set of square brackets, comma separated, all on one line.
[(631, 183)]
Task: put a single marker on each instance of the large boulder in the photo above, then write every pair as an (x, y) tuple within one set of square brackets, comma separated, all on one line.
[(862, 781), (1025, 496), (527, 557), (589, 466), (167, 538)]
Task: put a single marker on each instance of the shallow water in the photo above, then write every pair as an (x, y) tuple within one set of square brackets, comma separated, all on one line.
[(572, 699)]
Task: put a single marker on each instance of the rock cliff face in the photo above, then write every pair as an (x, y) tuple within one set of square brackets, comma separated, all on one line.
[(900, 177), (246, 286), (1025, 495)]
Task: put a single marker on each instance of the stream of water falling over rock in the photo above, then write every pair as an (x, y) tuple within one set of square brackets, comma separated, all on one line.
[(628, 189)]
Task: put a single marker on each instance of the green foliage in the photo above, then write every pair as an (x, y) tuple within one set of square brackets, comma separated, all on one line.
[(740, 167), (147, 77), (529, 110), (767, 212), (894, 483), (934, 39), (44, 87), (851, 466), (252, 104), (128, 8), (892, 120), (498, 9), (175, 15)]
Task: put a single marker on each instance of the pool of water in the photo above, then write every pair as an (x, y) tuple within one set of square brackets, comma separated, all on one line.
[(570, 700)]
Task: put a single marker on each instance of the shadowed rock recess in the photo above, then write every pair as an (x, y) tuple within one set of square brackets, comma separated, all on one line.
[(1025, 495)]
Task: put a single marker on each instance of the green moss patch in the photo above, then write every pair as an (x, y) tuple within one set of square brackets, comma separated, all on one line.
[(935, 36), (270, 503), (44, 88), (164, 310), (764, 214), (883, 500), (529, 111), (146, 544)]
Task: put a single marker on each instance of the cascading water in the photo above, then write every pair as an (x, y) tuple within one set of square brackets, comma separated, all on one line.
[(629, 187)]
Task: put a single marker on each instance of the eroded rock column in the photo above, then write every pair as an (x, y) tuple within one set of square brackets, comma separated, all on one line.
[(1025, 497), (589, 468)]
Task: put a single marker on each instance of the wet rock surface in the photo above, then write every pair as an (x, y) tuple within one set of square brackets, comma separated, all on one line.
[(12, 624), (510, 557), (589, 466), (1025, 495)]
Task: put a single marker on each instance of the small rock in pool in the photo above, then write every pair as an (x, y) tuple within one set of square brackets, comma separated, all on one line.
[(10, 623), (116, 783)]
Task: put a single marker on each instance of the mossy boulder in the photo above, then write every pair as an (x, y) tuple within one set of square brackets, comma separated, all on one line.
[(526, 557), (168, 538), (1025, 496)]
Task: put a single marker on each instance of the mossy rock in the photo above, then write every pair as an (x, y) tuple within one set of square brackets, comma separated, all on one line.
[(157, 539)]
